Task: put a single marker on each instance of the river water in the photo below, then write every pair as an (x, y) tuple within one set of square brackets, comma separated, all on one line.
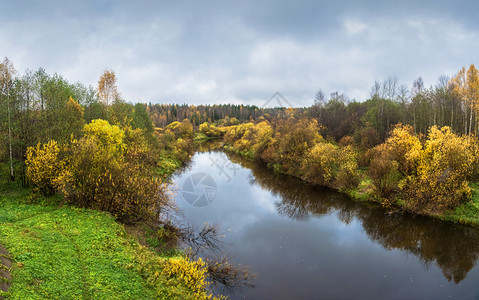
[(303, 242)]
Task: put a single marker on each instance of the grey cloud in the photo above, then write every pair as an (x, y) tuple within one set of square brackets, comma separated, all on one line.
[(242, 52)]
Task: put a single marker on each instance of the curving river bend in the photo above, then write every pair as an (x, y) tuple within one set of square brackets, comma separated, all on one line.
[(304, 242)]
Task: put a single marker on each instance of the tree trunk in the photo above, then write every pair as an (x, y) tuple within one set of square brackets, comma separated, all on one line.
[(12, 175)]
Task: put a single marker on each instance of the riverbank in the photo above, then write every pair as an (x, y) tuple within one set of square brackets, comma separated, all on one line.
[(466, 213), (56, 254)]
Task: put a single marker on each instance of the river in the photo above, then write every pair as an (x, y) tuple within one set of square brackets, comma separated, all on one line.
[(304, 242)]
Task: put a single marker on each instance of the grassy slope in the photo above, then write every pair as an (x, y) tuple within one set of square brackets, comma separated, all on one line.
[(72, 253), (67, 253)]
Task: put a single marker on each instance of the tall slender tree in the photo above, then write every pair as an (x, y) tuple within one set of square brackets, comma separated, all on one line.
[(107, 89), (7, 73), (466, 86)]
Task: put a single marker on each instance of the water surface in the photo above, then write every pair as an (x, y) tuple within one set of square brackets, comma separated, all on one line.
[(304, 242)]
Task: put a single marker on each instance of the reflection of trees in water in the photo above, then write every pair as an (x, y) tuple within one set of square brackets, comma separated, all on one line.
[(454, 248)]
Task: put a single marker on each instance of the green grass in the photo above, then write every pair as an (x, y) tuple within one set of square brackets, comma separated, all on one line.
[(73, 253), (363, 192), (467, 213), (247, 154), (201, 137), (168, 165), (67, 253)]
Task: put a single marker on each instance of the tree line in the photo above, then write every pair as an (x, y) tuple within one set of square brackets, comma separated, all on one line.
[(38, 107), (450, 102)]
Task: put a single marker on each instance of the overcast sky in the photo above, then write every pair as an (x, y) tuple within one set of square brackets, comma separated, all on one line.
[(215, 52)]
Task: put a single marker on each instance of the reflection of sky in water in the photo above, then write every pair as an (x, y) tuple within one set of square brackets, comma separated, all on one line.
[(314, 257)]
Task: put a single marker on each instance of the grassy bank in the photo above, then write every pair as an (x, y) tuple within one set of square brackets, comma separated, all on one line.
[(467, 213), (72, 253)]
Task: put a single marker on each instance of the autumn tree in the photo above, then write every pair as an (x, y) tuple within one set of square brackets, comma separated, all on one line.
[(107, 89), (472, 91), (7, 73), (466, 86)]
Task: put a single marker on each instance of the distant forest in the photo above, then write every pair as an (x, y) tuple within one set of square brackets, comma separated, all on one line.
[(448, 103)]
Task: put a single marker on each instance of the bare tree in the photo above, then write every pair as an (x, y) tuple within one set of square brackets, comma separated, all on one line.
[(375, 90), (389, 88), (319, 99)]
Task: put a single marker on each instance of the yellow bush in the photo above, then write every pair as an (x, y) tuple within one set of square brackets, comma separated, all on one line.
[(328, 165), (430, 178), (445, 165), (189, 275), (294, 138), (394, 160), (109, 136), (263, 134), (110, 170), (44, 166)]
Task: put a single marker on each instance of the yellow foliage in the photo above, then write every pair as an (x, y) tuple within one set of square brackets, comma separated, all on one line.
[(101, 175), (182, 272), (404, 147), (328, 165), (430, 178), (446, 164), (44, 166), (183, 129), (109, 136), (394, 160)]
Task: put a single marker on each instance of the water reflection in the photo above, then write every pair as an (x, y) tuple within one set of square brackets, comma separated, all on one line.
[(304, 242), (454, 248)]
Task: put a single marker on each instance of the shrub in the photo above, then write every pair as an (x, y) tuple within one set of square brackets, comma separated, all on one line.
[(367, 137), (403, 147), (183, 129), (263, 134), (394, 160), (346, 140), (209, 130), (110, 137), (108, 169), (191, 274), (320, 165), (294, 138), (445, 165), (328, 165), (44, 166), (385, 175), (121, 184)]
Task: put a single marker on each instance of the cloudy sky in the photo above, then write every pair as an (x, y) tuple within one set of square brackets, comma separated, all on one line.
[(241, 51)]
